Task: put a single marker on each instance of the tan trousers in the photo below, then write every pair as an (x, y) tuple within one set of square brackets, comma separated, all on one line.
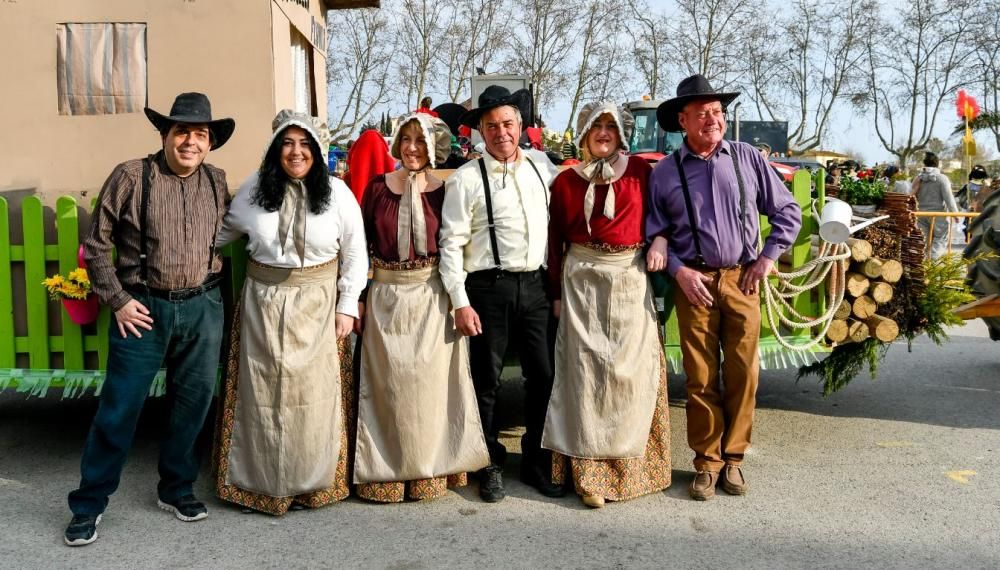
[(720, 417)]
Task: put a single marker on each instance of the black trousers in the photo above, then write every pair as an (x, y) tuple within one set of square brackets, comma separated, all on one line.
[(515, 313)]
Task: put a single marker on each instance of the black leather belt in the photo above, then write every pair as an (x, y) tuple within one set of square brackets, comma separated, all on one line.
[(490, 275), (705, 267), (178, 294)]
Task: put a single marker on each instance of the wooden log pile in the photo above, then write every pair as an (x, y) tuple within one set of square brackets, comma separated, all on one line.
[(869, 288)]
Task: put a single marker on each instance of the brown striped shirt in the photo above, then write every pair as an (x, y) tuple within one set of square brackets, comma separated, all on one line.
[(182, 219)]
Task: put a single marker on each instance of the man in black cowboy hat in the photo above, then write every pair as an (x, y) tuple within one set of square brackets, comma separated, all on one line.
[(705, 203), (494, 231), (161, 214)]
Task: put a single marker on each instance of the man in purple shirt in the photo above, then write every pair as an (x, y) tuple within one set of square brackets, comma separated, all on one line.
[(705, 202)]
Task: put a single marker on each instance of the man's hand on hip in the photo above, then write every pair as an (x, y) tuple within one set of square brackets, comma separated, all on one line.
[(753, 275), (133, 314), (692, 283), (467, 322)]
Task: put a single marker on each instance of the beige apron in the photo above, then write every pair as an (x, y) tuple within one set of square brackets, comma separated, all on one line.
[(286, 432), (607, 363), (417, 411)]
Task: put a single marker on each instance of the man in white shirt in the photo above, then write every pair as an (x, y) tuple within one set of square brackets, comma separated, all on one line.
[(494, 230)]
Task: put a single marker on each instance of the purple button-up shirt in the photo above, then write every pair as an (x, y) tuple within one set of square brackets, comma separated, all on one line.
[(715, 196)]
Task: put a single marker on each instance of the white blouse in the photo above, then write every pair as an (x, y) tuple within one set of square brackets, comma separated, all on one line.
[(339, 230)]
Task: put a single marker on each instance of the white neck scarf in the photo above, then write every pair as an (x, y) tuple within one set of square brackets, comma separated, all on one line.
[(599, 169), (411, 220)]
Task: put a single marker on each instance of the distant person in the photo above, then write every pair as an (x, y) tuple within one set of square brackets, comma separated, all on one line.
[(425, 107), (765, 149), (978, 179), (160, 215), (369, 157), (933, 191), (568, 148)]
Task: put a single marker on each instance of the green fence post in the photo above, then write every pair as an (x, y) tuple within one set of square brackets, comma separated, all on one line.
[(67, 226), (801, 249), (7, 354), (34, 273)]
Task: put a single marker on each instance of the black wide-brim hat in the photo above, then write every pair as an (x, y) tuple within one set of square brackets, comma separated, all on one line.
[(450, 113), (691, 89), (497, 96), (193, 108)]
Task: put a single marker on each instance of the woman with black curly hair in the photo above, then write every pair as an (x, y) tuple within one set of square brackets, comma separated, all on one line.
[(287, 398)]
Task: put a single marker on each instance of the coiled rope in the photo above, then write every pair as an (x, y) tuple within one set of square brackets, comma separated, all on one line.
[(831, 261)]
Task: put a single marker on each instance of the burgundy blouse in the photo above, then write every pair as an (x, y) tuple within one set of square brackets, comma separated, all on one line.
[(380, 209)]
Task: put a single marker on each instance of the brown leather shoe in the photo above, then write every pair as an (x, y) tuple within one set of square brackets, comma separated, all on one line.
[(703, 486), (733, 481)]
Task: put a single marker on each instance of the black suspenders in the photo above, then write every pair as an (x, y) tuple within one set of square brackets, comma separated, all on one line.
[(699, 258), (489, 205), (147, 183)]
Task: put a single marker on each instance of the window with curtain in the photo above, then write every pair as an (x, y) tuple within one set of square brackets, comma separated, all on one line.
[(301, 72), (101, 68)]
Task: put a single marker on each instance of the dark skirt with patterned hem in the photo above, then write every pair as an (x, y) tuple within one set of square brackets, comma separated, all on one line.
[(339, 488), (417, 490), (624, 479)]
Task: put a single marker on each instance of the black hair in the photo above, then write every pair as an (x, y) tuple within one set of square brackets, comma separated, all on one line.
[(931, 159), (271, 179), (426, 102)]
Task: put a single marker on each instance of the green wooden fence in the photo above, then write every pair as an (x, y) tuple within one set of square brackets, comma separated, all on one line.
[(78, 345)]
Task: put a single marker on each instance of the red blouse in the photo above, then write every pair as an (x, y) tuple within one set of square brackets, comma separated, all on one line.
[(567, 224), (380, 210)]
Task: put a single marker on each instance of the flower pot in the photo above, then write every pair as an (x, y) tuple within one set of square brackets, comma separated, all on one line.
[(82, 311), (865, 210)]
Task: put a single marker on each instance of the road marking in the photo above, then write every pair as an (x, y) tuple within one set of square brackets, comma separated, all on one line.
[(891, 444), (960, 476), (12, 483)]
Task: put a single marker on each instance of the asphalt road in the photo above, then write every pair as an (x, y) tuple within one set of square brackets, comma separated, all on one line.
[(902, 471)]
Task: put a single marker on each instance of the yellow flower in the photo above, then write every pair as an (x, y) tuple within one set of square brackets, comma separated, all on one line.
[(79, 275), (53, 282), (73, 291)]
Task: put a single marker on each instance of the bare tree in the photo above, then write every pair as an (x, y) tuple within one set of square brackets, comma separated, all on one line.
[(473, 38), (648, 30), (358, 57), (910, 74), (825, 47), (541, 48), (985, 40), (421, 25), (600, 71), (706, 36)]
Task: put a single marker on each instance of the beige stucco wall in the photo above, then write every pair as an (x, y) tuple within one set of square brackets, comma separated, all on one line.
[(220, 47), (284, 15)]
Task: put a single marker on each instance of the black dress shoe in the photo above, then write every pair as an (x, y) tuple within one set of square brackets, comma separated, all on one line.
[(491, 484), (543, 485)]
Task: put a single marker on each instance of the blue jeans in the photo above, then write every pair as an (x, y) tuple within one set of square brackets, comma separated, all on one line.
[(186, 339)]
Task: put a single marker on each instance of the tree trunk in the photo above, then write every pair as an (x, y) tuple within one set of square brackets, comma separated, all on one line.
[(843, 311), (837, 331), (861, 250), (858, 331), (882, 328), (892, 271), (872, 267), (864, 307), (881, 292), (857, 284)]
